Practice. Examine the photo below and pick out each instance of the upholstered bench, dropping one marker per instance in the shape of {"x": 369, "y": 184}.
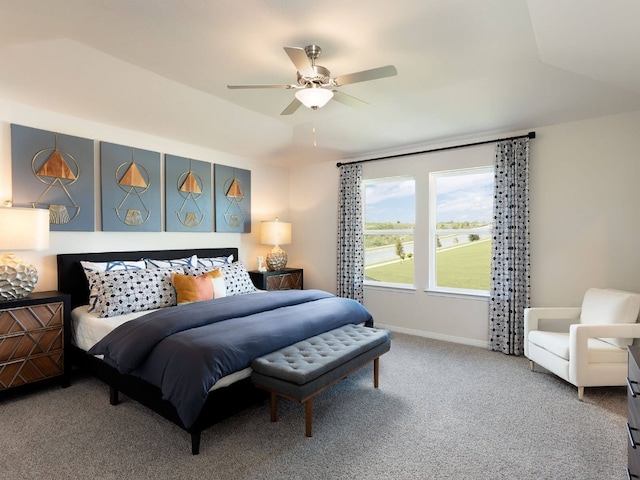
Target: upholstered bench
{"x": 300, "y": 371}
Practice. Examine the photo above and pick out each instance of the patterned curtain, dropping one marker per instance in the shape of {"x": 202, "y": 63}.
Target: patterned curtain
{"x": 350, "y": 234}
{"x": 510, "y": 285}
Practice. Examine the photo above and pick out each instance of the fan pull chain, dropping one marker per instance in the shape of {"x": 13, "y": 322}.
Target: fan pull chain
{"x": 313, "y": 130}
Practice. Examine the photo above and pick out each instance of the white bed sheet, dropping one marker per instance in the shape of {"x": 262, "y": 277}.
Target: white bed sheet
{"x": 88, "y": 328}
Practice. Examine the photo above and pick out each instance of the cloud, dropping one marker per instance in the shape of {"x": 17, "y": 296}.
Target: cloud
{"x": 381, "y": 192}
{"x": 465, "y": 197}
{"x": 391, "y": 201}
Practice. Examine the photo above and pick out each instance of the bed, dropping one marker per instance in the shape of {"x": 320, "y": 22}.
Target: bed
{"x": 215, "y": 339}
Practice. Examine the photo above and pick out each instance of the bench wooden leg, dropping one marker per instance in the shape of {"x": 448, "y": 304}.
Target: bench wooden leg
{"x": 274, "y": 407}
{"x": 308, "y": 416}
{"x": 376, "y": 371}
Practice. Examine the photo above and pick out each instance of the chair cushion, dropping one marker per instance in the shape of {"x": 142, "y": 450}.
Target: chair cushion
{"x": 601, "y": 306}
{"x": 558, "y": 344}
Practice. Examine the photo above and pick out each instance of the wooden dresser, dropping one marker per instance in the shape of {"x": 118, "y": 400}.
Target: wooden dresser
{"x": 33, "y": 339}
{"x": 287, "y": 279}
{"x": 633, "y": 414}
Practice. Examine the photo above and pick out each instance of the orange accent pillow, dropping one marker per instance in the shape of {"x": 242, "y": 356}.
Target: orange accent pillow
{"x": 207, "y": 286}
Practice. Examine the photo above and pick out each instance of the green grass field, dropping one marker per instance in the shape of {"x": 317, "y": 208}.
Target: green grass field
{"x": 466, "y": 266}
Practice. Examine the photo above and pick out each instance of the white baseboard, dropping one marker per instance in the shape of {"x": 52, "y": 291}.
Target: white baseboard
{"x": 435, "y": 336}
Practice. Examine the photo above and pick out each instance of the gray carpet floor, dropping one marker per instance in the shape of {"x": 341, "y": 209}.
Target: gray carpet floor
{"x": 442, "y": 411}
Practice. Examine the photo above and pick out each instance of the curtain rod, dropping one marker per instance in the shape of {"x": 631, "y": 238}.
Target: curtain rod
{"x": 452, "y": 147}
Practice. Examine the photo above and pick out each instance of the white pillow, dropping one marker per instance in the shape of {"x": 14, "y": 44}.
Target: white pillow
{"x": 127, "y": 291}
{"x": 601, "y": 306}
{"x": 191, "y": 261}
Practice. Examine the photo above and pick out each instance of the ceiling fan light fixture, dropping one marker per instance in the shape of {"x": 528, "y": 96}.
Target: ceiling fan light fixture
{"x": 315, "y": 97}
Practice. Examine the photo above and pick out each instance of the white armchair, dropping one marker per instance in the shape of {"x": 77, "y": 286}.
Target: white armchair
{"x": 586, "y": 346}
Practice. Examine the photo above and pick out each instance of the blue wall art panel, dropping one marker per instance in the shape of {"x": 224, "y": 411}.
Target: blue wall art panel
{"x": 232, "y": 199}
{"x": 54, "y": 171}
{"x": 188, "y": 195}
{"x": 131, "y": 190}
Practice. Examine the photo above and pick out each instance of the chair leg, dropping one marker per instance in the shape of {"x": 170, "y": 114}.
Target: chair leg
{"x": 580, "y": 393}
{"x": 532, "y": 366}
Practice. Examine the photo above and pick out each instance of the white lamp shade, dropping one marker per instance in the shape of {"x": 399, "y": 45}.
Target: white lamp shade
{"x": 24, "y": 229}
{"x": 314, "y": 97}
{"x": 275, "y": 233}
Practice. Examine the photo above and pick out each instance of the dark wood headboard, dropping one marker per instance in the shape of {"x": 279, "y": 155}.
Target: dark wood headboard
{"x": 72, "y": 280}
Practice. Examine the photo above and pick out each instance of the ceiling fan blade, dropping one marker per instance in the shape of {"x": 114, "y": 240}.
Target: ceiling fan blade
{"x": 349, "y": 100}
{"x": 292, "y": 107}
{"x": 366, "y": 75}
{"x": 259, "y": 86}
{"x": 300, "y": 60}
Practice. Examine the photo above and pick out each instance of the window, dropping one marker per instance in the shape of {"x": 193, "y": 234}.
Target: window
{"x": 461, "y": 218}
{"x": 389, "y": 221}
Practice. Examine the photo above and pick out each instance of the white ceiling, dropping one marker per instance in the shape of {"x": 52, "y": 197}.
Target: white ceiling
{"x": 466, "y": 68}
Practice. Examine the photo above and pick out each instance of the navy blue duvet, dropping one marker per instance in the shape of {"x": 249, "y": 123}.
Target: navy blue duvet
{"x": 185, "y": 350}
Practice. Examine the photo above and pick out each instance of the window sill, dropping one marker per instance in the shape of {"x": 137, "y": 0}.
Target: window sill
{"x": 403, "y": 288}
{"x": 481, "y": 296}
{"x": 399, "y": 287}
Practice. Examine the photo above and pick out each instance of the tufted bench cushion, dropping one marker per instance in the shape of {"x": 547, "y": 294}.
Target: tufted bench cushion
{"x": 302, "y": 362}
{"x": 304, "y": 369}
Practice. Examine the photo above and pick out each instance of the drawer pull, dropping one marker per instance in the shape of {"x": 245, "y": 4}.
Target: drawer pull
{"x": 630, "y": 475}
{"x": 630, "y": 431}
{"x": 630, "y": 384}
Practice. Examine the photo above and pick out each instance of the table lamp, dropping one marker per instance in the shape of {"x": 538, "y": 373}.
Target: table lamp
{"x": 276, "y": 233}
{"x": 20, "y": 229}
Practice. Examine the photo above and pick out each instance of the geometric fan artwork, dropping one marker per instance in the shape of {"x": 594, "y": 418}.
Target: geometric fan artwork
{"x": 188, "y": 196}
{"x": 54, "y": 171}
{"x": 131, "y": 191}
{"x": 232, "y": 199}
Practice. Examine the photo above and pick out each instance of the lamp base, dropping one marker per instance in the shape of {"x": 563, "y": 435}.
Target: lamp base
{"x": 276, "y": 259}
{"x": 17, "y": 279}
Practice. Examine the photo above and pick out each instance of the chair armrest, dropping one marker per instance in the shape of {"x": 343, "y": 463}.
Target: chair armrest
{"x": 579, "y": 335}
{"x": 554, "y": 319}
{"x": 611, "y": 330}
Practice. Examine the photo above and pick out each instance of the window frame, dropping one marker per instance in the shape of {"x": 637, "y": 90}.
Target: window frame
{"x": 434, "y": 232}
{"x": 380, "y": 180}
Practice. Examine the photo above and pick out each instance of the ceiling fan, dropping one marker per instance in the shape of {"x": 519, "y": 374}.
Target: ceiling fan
{"x": 315, "y": 86}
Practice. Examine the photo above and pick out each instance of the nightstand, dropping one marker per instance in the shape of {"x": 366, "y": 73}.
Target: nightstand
{"x": 33, "y": 339}
{"x": 287, "y": 279}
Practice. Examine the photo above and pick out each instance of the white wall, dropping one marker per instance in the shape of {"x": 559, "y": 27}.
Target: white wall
{"x": 313, "y": 205}
{"x": 584, "y": 227}
{"x": 269, "y": 190}
{"x": 585, "y": 194}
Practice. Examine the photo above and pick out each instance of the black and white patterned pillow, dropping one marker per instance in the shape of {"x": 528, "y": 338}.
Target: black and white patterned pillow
{"x": 126, "y": 291}
{"x": 205, "y": 265}
{"x": 113, "y": 265}
{"x": 214, "y": 262}
{"x": 236, "y": 279}
{"x": 97, "y": 267}
{"x": 191, "y": 261}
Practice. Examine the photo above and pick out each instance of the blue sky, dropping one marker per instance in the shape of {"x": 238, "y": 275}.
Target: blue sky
{"x": 466, "y": 197}
{"x": 392, "y": 201}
